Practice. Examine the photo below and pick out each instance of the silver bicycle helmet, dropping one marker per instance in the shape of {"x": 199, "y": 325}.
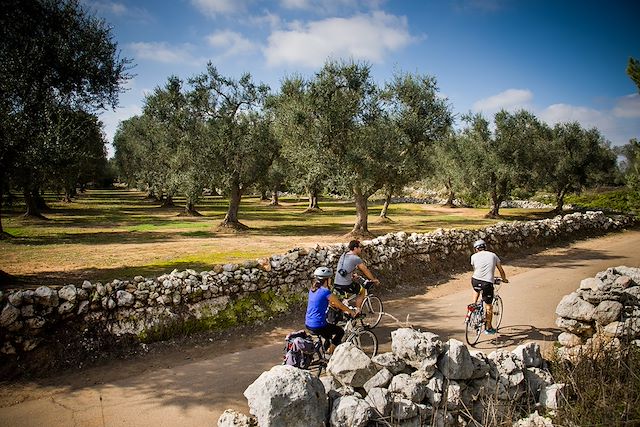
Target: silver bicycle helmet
{"x": 323, "y": 272}
{"x": 479, "y": 244}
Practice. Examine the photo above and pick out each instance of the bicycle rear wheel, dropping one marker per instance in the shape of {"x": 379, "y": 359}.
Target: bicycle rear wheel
{"x": 497, "y": 312}
{"x": 366, "y": 341}
{"x": 372, "y": 309}
{"x": 473, "y": 328}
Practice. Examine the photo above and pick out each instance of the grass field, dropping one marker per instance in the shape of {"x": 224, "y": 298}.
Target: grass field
{"x": 107, "y": 234}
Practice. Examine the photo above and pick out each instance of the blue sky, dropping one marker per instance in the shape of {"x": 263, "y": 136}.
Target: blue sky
{"x": 562, "y": 60}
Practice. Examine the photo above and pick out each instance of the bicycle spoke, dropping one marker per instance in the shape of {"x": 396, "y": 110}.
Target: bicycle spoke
{"x": 473, "y": 328}
{"x": 366, "y": 341}
{"x": 372, "y": 309}
{"x": 497, "y": 311}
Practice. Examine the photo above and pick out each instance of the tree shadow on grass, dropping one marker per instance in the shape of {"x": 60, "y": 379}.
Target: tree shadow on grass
{"x": 106, "y": 238}
{"x": 77, "y": 276}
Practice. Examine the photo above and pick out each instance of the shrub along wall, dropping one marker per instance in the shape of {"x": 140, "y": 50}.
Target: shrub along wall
{"x": 92, "y": 315}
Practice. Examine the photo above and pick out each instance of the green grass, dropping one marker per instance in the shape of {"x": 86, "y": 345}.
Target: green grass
{"x": 106, "y": 234}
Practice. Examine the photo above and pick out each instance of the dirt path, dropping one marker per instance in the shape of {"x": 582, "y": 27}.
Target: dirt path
{"x": 192, "y": 386}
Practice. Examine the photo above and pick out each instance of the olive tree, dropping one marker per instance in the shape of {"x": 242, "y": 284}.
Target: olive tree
{"x": 421, "y": 119}
{"x": 239, "y": 133}
{"x": 296, "y": 128}
{"x": 53, "y": 55}
{"x": 571, "y": 157}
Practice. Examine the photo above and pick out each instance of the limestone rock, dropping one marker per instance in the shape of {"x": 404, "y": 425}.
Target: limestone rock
{"x": 287, "y": 396}
{"x": 455, "y": 362}
{"x": 350, "y": 411}
{"x": 573, "y": 307}
{"x": 231, "y": 418}
{"x": 418, "y": 349}
{"x": 350, "y": 365}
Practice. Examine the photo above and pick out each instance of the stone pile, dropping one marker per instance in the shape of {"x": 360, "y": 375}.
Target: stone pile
{"x": 602, "y": 311}
{"x": 422, "y": 381}
{"x": 253, "y": 290}
{"x": 529, "y": 204}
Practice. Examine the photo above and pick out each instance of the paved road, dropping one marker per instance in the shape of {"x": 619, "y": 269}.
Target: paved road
{"x": 194, "y": 391}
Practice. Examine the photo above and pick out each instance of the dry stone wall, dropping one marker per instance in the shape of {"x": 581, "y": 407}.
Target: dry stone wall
{"x": 423, "y": 381}
{"x": 148, "y": 308}
{"x": 602, "y": 311}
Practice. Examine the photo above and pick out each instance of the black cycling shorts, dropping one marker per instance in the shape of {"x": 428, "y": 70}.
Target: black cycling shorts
{"x": 485, "y": 287}
{"x": 353, "y": 288}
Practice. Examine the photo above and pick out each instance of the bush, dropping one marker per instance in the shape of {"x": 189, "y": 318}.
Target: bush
{"x": 621, "y": 200}
{"x": 601, "y": 390}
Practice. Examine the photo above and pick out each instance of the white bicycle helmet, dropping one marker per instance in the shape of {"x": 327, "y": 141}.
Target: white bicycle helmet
{"x": 479, "y": 244}
{"x": 323, "y": 272}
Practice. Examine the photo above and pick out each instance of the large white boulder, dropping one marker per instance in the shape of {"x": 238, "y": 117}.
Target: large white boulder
{"x": 418, "y": 349}
{"x": 350, "y": 365}
{"x": 455, "y": 363}
{"x": 573, "y": 307}
{"x": 350, "y": 411}
{"x": 287, "y": 396}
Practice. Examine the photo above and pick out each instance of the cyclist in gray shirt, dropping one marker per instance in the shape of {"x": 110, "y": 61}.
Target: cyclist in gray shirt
{"x": 348, "y": 264}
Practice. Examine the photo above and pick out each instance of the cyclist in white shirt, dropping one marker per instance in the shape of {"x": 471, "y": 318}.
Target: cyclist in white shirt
{"x": 484, "y": 263}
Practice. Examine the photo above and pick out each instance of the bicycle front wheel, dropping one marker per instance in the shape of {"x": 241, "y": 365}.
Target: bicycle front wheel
{"x": 372, "y": 309}
{"x": 473, "y": 328}
{"x": 366, "y": 341}
{"x": 497, "y": 312}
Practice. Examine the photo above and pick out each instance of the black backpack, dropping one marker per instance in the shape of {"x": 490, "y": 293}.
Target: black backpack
{"x": 298, "y": 349}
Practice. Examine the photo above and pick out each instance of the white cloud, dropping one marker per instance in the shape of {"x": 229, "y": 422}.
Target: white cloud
{"x": 587, "y": 117}
{"x": 510, "y": 99}
{"x": 219, "y": 7}
{"x": 617, "y": 125}
{"x": 231, "y": 42}
{"x": 330, "y": 7}
{"x": 297, "y": 4}
{"x": 272, "y": 20}
{"x": 163, "y": 52}
{"x": 366, "y": 37}
{"x": 628, "y": 106}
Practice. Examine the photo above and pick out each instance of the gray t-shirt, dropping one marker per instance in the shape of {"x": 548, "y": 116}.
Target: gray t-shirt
{"x": 484, "y": 265}
{"x": 347, "y": 263}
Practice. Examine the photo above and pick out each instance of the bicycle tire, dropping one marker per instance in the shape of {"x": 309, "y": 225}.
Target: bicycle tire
{"x": 473, "y": 328}
{"x": 366, "y": 341}
{"x": 497, "y": 312}
{"x": 372, "y": 309}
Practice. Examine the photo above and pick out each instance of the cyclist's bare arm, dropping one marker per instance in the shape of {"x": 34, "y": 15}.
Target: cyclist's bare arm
{"x": 367, "y": 273}
{"x": 502, "y": 273}
{"x": 335, "y": 302}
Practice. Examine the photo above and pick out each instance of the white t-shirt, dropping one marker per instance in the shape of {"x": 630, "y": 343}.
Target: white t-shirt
{"x": 484, "y": 265}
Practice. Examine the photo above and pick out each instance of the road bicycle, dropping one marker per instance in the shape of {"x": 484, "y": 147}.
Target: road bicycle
{"x": 476, "y": 316}
{"x": 372, "y": 307}
{"x": 355, "y": 331}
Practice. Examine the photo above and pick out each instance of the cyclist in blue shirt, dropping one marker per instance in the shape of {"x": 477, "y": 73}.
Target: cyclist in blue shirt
{"x": 320, "y": 297}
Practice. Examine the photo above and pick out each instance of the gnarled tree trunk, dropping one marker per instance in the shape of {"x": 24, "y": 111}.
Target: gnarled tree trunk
{"x": 361, "y": 227}
{"x": 231, "y": 218}
{"x": 313, "y": 206}
{"x": 31, "y": 203}
{"x": 385, "y": 206}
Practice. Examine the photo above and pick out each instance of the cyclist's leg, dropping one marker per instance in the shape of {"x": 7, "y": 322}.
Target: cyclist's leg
{"x": 477, "y": 288}
{"x": 325, "y": 333}
{"x": 487, "y": 298}
{"x": 360, "y": 298}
